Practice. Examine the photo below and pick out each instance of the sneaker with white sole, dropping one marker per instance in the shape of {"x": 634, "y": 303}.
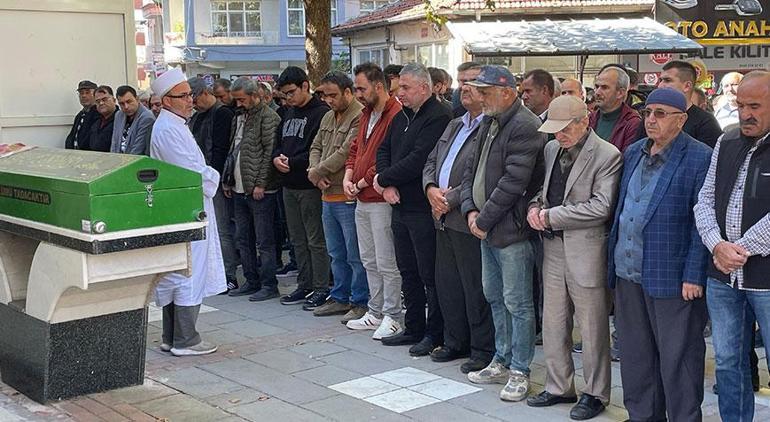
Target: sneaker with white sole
{"x": 494, "y": 373}
{"x": 165, "y": 347}
{"x": 389, "y": 327}
{"x": 201, "y": 348}
{"x": 366, "y": 322}
{"x": 517, "y": 387}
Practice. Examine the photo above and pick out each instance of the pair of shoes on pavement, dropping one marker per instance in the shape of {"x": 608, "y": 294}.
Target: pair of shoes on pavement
{"x": 331, "y": 307}
{"x": 516, "y": 382}
{"x": 384, "y": 328}
{"x": 309, "y": 299}
{"x": 202, "y": 348}
{"x": 447, "y": 354}
{"x": 255, "y": 292}
{"x": 586, "y": 408}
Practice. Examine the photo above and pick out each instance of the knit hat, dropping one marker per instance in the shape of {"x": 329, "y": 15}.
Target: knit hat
{"x": 669, "y": 97}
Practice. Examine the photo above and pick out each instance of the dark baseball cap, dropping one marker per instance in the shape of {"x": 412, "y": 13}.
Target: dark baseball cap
{"x": 198, "y": 85}
{"x": 86, "y": 85}
{"x": 494, "y": 75}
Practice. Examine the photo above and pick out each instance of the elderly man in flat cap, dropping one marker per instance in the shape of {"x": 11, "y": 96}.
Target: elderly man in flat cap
{"x": 182, "y": 296}
{"x": 657, "y": 266}
{"x": 572, "y": 211}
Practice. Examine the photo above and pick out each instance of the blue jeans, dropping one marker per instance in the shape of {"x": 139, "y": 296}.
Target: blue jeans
{"x": 506, "y": 276}
{"x": 254, "y": 232}
{"x": 732, "y": 314}
{"x": 350, "y": 284}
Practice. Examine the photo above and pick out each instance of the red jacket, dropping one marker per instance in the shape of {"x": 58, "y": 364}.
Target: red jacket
{"x": 626, "y": 130}
{"x": 363, "y": 152}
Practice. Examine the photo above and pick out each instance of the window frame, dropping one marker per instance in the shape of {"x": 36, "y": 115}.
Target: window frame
{"x": 228, "y": 33}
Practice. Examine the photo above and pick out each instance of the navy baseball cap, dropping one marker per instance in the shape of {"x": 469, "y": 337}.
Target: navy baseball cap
{"x": 494, "y": 75}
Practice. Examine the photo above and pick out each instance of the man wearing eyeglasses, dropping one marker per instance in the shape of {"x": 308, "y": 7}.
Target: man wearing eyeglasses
{"x": 100, "y": 138}
{"x": 179, "y": 295}
{"x": 657, "y": 266}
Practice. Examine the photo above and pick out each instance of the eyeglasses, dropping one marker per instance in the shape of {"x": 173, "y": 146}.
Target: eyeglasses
{"x": 658, "y": 113}
{"x": 181, "y": 96}
{"x": 290, "y": 93}
{"x": 102, "y": 100}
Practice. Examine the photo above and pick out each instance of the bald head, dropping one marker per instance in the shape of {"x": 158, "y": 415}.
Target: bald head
{"x": 573, "y": 87}
{"x": 753, "y": 100}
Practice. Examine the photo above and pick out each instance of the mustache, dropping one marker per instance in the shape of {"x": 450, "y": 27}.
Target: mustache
{"x": 749, "y": 121}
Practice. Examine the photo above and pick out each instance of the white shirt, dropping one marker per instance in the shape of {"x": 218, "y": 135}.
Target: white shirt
{"x": 726, "y": 115}
{"x": 172, "y": 142}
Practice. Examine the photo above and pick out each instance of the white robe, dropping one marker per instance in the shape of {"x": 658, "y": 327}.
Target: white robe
{"x": 173, "y": 143}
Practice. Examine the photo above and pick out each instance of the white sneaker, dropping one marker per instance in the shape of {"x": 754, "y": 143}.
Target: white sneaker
{"x": 494, "y": 373}
{"x": 389, "y": 327}
{"x": 201, "y": 348}
{"x": 366, "y": 322}
{"x": 517, "y": 387}
{"x": 165, "y": 347}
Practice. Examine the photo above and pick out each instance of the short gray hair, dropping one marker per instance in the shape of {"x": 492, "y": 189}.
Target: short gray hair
{"x": 248, "y": 86}
{"x": 623, "y": 80}
{"x": 417, "y": 71}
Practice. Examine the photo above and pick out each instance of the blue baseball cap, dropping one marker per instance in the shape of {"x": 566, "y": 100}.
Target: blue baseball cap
{"x": 494, "y": 75}
{"x": 669, "y": 97}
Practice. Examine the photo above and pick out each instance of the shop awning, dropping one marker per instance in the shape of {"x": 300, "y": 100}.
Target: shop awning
{"x": 570, "y": 38}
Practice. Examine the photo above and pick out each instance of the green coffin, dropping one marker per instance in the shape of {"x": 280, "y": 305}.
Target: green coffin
{"x": 95, "y": 192}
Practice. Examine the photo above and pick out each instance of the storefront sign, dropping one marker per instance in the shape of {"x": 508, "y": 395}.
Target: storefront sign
{"x": 721, "y": 22}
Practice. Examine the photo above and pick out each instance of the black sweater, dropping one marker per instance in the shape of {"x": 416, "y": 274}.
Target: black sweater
{"x": 402, "y": 155}
{"x": 296, "y": 132}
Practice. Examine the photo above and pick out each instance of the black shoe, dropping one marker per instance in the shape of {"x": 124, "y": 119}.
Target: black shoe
{"x": 295, "y": 297}
{"x": 446, "y": 354}
{"x": 473, "y": 365}
{"x": 247, "y": 289}
{"x": 588, "y": 407}
{"x": 315, "y": 300}
{"x": 263, "y": 294}
{"x": 401, "y": 340}
{"x": 578, "y": 348}
{"x": 232, "y": 284}
{"x": 288, "y": 270}
{"x": 546, "y": 399}
{"x": 423, "y": 348}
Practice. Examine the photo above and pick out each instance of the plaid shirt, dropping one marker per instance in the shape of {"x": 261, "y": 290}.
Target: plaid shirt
{"x": 756, "y": 240}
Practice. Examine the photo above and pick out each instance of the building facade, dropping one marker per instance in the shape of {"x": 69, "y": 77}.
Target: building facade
{"x": 228, "y": 39}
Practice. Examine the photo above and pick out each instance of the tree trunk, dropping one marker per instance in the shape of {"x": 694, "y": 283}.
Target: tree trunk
{"x": 318, "y": 39}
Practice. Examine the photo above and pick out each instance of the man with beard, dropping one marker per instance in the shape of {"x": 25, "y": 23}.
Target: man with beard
{"x": 81, "y": 127}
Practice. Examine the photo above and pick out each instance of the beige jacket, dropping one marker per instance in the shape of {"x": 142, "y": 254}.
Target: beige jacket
{"x": 331, "y": 145}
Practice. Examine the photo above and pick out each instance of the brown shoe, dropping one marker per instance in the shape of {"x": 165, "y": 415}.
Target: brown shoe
{"x": 356, "y": 312}
{"x": 331, "y": 307}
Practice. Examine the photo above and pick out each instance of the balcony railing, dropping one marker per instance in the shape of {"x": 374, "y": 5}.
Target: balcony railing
{"x": 238, "y": 38}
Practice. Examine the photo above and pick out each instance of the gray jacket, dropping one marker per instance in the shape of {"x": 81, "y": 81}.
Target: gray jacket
{"x": 454, "y": 219}
{"x": 515, "y": 172}
{"x": 138, "y": 139}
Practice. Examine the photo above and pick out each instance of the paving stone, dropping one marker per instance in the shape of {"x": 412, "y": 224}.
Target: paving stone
{"x": 252, "y": 329}
{"x": 295, "y": 322}
{"x": 401, "y": 400}
{"x": 224, "y": 337}
{"x": 275, "y": 410}
{"x": 234, "y": 398}
{"x": 284, "y": 361}
{"x": 362, "y": 341}
{"x": 342, "y": 408}
{"x": 285, "y": 387}
{"x": 447, "y": 412}
{"x": 484, "y": 402}
{"x": 364, "y": 387}
{"x": 316, "y": 348}
{"x": 444, "y": 389}
{"x": 258, "y": 310}
{"x": 150, "y": 390}
{"x": 218, "y": 318}
{"x": 182, "y": 408}
{"x": 196, "y": 382}
{"x": 360, "y": 362}
{"x": 327, "y": 375}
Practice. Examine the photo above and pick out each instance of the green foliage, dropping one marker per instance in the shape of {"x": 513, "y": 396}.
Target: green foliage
{"x": 433, "y": 17}
{"x": 341, "y": 62}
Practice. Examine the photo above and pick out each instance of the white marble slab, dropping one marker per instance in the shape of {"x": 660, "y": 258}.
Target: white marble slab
{"x": 406, "y": 377}
{"x": 444, "y": 389}
{"x": 362, "y": 388}
{"x": 401, "y": 400}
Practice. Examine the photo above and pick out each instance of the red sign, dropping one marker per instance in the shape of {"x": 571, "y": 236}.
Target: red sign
{"x": 661, "y": 58}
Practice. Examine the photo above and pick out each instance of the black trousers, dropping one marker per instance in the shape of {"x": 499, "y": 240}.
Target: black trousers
{"x": 663, "y": 355}
{"x": 467, "y": 317}
{"x": 179, "y": 325}
{"x": 414, "y": 239}
{"x": 537, "y": 281}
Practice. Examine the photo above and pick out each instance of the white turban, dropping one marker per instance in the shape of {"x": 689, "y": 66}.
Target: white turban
{"x": 167, "y": 81}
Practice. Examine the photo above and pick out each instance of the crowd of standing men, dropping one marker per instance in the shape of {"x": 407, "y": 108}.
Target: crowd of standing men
{"x": 511, "y": 213}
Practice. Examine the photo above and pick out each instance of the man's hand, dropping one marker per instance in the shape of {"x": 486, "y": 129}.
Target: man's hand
{"x": 377, "y": 186}
{"x": 438, "y": 201}
{"x": 544, "y": 219}
{"x": 728, "y": 256}
{"x": 472, "y": 216}
{"x": 391, "y": 195}
{"x": 350, "y": 189}
{"x": 226, "y": 191}
{"x": 533, "y": 218}
{"x": 258, "y": 193}
{"x": 691, "y": 291}
{"x": 323, "y": 183}
{"x": 313, "y": 176}
{"x": 281, "y": 163}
